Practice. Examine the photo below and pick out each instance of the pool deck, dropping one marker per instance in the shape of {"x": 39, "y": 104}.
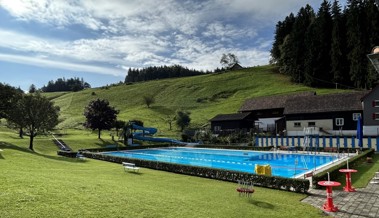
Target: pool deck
{"x": 364, "y": 203}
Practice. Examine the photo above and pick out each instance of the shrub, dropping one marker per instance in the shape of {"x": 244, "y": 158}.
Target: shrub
{"x": 296, "y": 185}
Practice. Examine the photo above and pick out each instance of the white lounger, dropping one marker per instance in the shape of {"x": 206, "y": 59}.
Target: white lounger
{"x": 130, "y": 166}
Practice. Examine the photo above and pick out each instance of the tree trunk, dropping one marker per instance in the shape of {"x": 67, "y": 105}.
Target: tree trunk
{"x": 99, "y": 134}
{"x": 21, "y": 133}
{"x": 31, "y": 141}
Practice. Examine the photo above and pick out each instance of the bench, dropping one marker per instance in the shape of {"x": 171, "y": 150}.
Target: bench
{"x": 284, "y": 148}
{"x": 130, "y": 166}
{"x": 80, "y": 156}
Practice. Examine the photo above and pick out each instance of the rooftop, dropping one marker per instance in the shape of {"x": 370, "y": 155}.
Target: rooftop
{"x": 271, "y": 102}
{"x": 226, "y": 117}
{"x": 325, "y": 103}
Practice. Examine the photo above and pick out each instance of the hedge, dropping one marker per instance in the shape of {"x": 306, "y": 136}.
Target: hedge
{"x": 296, "y": 185}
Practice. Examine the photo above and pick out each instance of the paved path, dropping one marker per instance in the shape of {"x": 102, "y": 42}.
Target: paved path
{"x": 362, "y": 203}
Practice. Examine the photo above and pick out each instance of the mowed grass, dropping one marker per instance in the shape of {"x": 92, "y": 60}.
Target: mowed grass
{"x": 366, "y": 172}
{"x": 42, "y": 184}
{"x": 204, "y": 96}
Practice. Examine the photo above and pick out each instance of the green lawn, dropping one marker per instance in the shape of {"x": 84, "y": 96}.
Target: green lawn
{"x": 204, "y": 96}
{"x": 365, "y": 172}
{"x": 42, "y": 184}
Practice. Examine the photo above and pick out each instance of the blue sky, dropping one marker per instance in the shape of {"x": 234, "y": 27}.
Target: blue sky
{"x": 99, "y": 40}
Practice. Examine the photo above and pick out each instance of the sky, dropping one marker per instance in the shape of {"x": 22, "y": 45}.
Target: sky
{"x": 99, "y": 40}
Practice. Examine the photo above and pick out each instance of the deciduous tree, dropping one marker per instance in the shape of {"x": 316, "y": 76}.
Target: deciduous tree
{"x": 100, "y": 115}
{"x": 183, "y": 119}
{"x": 148, "y": 99}
{"x": 8, "y": 95}
{"x": 36, "y": 114}
{"x": 228, "y": 60}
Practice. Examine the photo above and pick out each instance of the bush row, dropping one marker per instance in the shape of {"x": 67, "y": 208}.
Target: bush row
{"x": 296, "y": 185}
{"x": 334, "y": 171}
{"x": 71, "y": 154}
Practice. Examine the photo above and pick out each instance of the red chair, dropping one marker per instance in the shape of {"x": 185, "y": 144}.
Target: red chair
{"x": 245, "y": 188}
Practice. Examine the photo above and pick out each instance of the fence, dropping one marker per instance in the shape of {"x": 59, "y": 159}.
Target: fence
{"x": 317, "y": 141}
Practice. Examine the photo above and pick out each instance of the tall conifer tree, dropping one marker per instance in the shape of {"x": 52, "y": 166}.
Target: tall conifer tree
{"x": 294, "y": 47}
{"x": 357, "y": 43}
{"x": 338, "y": 54}
{"x": 283, "y": 29}
{"x": 317, "y": 68}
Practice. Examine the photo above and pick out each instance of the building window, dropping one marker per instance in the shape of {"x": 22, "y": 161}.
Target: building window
{"x": 217, "y": 128}
{"x": 375, "y": 103}
{"x": 311, "y": 124}
{"x": 297, "y": 124}
{"x": 375, "y": 116}
{"x": 339, "y": 121}
{"x": 356, "y": 116}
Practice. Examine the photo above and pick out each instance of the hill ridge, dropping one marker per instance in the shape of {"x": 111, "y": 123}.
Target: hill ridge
{"x": 204, "y": 96}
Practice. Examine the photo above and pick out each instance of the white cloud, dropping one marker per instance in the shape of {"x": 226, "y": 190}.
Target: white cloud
{"x": 261, "y": 12}
{"x": 41, "y": 62}
{"x": 137, "y": 33}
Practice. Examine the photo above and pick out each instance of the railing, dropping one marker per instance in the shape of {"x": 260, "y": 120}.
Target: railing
{"x": 317, "y": 141}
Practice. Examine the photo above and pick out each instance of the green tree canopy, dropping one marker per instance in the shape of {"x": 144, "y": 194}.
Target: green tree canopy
{"x": 148, "y": 100}
{"x": 36, "y": 114}
{"x": 119, "y": 124}
{"x": 100, "y": 115}
{"x": 228, "y": 60}
{"x": 183, "y": 119}
{"x": 8, "y": 95}
{"x": 329, "y": 47}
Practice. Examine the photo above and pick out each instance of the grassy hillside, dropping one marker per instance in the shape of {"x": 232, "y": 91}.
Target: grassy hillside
{"x": 204, "y": 96}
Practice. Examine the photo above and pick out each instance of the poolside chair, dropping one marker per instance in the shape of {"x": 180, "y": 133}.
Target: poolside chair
{"x": 80, "y": 156}
{"x": 245, "y": 188}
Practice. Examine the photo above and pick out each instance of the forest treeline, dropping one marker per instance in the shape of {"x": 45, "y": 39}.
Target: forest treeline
{"x": 329, "y": 47}
{"x": 160, "y": 72}
{"x": 63, "y": 85}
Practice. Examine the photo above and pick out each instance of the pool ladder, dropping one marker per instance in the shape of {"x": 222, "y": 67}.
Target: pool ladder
{"x": 304, "y": 162}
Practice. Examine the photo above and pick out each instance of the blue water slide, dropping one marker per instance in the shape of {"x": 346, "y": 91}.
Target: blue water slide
{"x": 146, "y": 133}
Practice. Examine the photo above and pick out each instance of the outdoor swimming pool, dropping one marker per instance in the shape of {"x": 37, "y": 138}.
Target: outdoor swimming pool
{"x": 283, "y": 164}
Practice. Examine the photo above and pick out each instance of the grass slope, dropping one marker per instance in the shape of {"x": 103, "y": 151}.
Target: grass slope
{"x": 42, "y": 184}
{"x": 204, "y": 96}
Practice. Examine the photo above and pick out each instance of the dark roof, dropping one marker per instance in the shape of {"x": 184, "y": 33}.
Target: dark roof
{"x": 370, "y": 92}
{"x": 325, "y": 103}
{"x": 270, "y": 102}
{"x": 227, "y": 117}
{"x": 236, "y": 66}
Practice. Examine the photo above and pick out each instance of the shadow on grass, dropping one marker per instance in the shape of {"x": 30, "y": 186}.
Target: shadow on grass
{"x": 135, "y": 173}
{"x": 261, "y": 204}
{"x": 14, "y": 147}
{"x": 27, "y": 150}
{"x": 1, "y": 156}
{"x": 162, "y": 110}
{"x": 105, "y": 143}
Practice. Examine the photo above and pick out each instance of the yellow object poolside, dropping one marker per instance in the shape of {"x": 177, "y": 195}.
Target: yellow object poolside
{"x": 263, "y": 169}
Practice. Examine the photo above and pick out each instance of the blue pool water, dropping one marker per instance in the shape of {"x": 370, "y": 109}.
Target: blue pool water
{"x": 283, "y": 164}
